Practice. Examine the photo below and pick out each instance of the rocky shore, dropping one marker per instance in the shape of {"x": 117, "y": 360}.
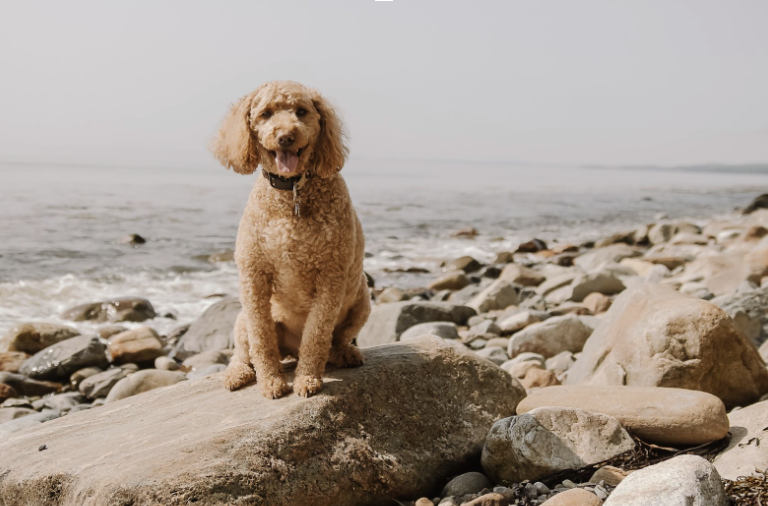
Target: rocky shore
{"x": 626, "y": 371}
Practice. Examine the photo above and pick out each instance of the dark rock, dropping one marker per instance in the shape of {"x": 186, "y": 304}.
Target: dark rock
{"x": 760, "y": 202}
{"x": 27, "y": 386}
{"x": 214, "y": 330}
{"x": 465, "y": 263}
{"x": 126, "y": 309}
{"x": 61, "y": 360}
{"x": 532, "y": 246}
{"x": 132, "y": 239}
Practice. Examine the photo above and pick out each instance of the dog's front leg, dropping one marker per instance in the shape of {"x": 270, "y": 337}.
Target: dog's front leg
{"x": 255, "y": 295}
{"x": 317, "y": 336}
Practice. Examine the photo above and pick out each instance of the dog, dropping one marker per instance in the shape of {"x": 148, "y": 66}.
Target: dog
{"x": 300, "y": 245}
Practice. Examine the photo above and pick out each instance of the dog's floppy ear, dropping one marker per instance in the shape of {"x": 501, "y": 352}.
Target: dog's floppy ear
{"x": 234, "y": 145}
{"x": 330, "y": 150}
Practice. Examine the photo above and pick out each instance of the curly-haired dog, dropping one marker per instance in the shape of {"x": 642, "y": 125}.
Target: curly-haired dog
{"x": 300, "y": 245}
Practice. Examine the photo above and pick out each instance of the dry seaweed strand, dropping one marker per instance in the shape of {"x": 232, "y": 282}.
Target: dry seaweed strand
{"x": 748, "y": 490}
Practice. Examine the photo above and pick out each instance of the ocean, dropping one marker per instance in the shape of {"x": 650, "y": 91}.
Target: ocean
{"x": 61, "y": 225}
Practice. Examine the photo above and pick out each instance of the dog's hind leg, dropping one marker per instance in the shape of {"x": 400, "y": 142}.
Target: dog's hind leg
{"x": 343, "y": 352}
{"x": 239, "y": 372}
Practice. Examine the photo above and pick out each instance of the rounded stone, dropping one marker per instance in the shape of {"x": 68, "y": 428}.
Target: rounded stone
{"x": 467, "y": 483}
{"x": 671, "y": 416}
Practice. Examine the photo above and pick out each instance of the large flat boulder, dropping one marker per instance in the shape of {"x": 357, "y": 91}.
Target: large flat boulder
{"x": 213, "y": 330}
{"x": 656, "y": 336}
{"x": 388, "y": 321}
{"x": 747, "y": 451}
{"x": 393, "y": 428}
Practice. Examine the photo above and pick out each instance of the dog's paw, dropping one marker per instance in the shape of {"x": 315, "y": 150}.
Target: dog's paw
{"x": 273, "y": 387}
{"x": 347, "y": 356}
{"x": 307, "y": 386}
{"x": 238, "y": 375}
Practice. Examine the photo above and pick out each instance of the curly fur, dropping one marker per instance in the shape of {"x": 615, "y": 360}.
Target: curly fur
{"x": 301, "y": 278}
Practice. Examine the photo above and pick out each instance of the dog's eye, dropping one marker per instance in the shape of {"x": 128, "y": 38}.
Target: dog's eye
{"x": 301, "y": 112}
{"x": 266, "y": 114}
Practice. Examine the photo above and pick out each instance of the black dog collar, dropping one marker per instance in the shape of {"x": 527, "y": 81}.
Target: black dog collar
{"x": 285, "y": 183}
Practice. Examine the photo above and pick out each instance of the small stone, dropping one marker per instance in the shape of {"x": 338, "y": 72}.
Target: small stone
{"x": 520, "y": 320}
{"x": 539, "y": 378}
{"x": 495, "y": 354}
{"x": 532, "y": 246}
{"x": 137, "y": 345}
{"x": 33, "y": 337}
{"x": 610, "y": 475}
{"x": 553, "y": 336}
{"x": 597, "y": 302}
{"x": 42, "y": 447}
{"x": 132, "y": 239}
{"x": 166, "y": 364}
{"x": 498, "y": 295}
{"x": 466, "y": 232}
{"x": 573, "y": 497}
{"x": 10, "y": 361}
{"x": 466, "y": 264}
{"x": 467, "y": 483}
{"x": 491, "y": 499}
{"x": 391, "y": 294}
{"x": 7, "y": 392}
{"x": 521, "y": 275}
{"x": 452, "y": 281}
{"x": 446, "y": 330}
{"x": 81, "y": 374}
{"x": 504, "y": 257}
{"x": 601, "y": 282}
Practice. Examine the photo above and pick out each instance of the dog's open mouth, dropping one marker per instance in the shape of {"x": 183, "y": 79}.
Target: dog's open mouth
{"x": 286, "y": 160}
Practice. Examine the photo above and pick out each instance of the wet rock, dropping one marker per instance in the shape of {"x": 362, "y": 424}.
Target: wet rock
{"x": 61, "y": 360}
{"x": 655, "y": 336}
{"x": 532, "y": 246}
{"x": 573, "y": 497}
{"x": 126, "y": 309}
{"x": 520, "y": 275}
{"x": 322, "y": 451}
{"x": 391, "y": 294}
{"x": 687, "y": 480}
{"x": 520, "y": 320}
{"x": 551, "y": 439}
{"x": 601, "y": 282}
{"x": 504, "y": 257}
{"x": 33, "y": 337}
{"x": 10, "y": 361}
{"x": 467, "y": 483}
{"x": 452, "y": 281}
{"x": 207, "y": 358}
{"x": 597, "y": 258}
{"x": 550, "y": 337}
{"x": 466, "y": 264}
{"x": 100, "y": 384}
{"x": 760, "y": 202}
{"x": 141, "y": 344}
{"x": 667, "y": 416}
{"x": 466, "y": 232}
{"x": 214, "y": 330}
{"x": 498, "y": 295}
{"x": 132, "y": 239}
{"x": 27, "y": 386}
{"x": 108, "y": 331}
{"x": 747, "y": 450}
{"x": 388, "y": 322}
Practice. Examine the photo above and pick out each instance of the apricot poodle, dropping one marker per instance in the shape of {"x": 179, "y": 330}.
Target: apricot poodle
{"x": 300, "y": 245}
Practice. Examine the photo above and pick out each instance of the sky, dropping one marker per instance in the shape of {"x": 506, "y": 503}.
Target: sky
{"x": 539, "y": 81}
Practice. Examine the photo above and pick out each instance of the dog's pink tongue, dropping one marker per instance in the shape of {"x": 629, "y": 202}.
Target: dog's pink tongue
{"x": 286, "y": 161}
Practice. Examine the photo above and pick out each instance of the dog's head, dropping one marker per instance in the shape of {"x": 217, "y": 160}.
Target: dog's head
{"x": 286, "y": 128}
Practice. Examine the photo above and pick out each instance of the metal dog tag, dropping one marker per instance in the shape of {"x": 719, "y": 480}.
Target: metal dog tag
{"x": 296, "y": 202}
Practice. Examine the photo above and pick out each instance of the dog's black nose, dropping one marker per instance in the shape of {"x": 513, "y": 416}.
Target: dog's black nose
{"x": 285, "y": 139}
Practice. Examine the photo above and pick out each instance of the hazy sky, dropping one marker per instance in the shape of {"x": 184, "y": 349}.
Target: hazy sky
{"x": 565, "y": 81}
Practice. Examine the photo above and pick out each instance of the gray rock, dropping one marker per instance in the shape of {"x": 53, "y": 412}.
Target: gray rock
{"x": 208, "y": 370}
{"x": 388, "y": 321}
{"x": 214, "y": 330}
{"x": 467, "y": 483}
{"x": 553, "y": 336}
{"x": 62, "y": 402}
{"x": 143, "y": 381}
{"x": 27, "y": 386}
{"x": 601, "y": 282}
{"x": 561, "y": 362}
{"x": 8, "y": 414}
{"x": 661, "y": 233}
{"x": 597, "y": 258}
{"x": 517, "y": 321}
{"x": 468, "y": 293}
{"x": 498, "y": 295}
{"x": 748, "y": 311}
{"x": 8, "y": 428}
{"x": 495, "y": 354}
{"x": 446, "y": 330}
{"x": 100, "y": 384}
{"x": 209, "y": 445}
{"x": 62, "y": 359}
{"x": 126, "y": 309}
{"x": 687, "y": 480}
{"x": 551, "y": 439}
{"x": 33, "y": 337}
{"x": 485, "y": 327}
{"x": 555, "y": 282}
